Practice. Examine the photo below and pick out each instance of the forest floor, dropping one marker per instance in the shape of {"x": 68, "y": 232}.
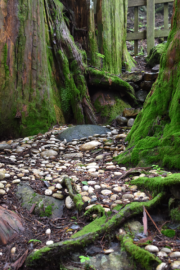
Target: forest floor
{"x": 98, "y": 178}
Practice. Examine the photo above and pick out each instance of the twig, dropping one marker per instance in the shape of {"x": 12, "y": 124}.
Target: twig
{"x": 133, "y": 169}
{"x": 164, "y": 223}
{"x": 153, "y": 221}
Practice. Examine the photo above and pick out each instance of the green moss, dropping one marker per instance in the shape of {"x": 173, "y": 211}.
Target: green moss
{"x": 110, "y": 112}
{"x": 142, "y": 257}
{"x": 47, "y": 212}
{"x": 157, "y": 184}
{"x": 133, "y": 209}
{"x": 95, "y": 209}
{"x": 6, "y": 68}
{"x": 175, "y": 214}
{"x": 169, "y": 233}
{"x": 155, "y": 54}
{"x": 155, "y": 136}
{"x": 78, "y": 202}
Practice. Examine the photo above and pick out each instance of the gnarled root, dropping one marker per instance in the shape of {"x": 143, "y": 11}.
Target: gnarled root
{"x": 89, "y": 233}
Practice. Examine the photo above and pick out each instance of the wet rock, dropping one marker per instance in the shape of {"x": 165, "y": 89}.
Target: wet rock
{"x": 28, "y": 197}
{"x": 81, "y": 131}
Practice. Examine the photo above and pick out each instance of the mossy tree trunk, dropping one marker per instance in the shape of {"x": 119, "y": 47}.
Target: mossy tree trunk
{"x": 111, "y": 19}
{"x": 41, "y": 69}
{"x": 155, "y": 136}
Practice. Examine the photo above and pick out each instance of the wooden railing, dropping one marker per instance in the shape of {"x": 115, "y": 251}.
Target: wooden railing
{"x": 150, "y": 33}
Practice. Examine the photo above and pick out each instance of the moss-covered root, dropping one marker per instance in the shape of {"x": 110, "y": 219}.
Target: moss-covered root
{"x": 159, "y": 183}
{"x": 77, "y": 199}
{"x": 89, "y": 233}
{"x": 105, "y": 80}
{"x": 95, "y": 209}
{"x": 142, "y": 257}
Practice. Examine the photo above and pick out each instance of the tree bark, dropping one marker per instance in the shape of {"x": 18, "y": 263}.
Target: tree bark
{"x": 42, "y": 68}
{"x": 154, "y": 137}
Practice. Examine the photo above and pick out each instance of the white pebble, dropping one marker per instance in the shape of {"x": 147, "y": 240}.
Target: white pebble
{"x": 161, "y": 266}
{"x": 50, "y": 242}
{"x": 48, "y": 192}
{"x": 151, "y": 248}
{"x": 48, "y": 231}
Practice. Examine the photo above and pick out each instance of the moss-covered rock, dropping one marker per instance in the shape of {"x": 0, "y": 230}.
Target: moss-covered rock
{"x": 155, "y": 54}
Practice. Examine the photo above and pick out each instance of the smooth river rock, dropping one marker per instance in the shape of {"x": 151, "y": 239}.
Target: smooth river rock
{"x": 81, "y": 131}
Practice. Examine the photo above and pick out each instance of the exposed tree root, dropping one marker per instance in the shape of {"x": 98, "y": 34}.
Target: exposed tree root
{"x": 89, "y": 233}
{"x": 159, "y": 183}
{"x": 77, "y": 198}
{"x": 143, "y": 257}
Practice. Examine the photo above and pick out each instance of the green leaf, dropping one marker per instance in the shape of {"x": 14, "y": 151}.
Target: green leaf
{"x": 34, "y": 241}
{"x": 84, "y": 183}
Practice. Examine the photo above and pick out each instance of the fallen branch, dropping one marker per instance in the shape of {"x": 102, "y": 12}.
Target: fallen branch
{"x": 89, "y": 233}
{"x": 134, "y": 170}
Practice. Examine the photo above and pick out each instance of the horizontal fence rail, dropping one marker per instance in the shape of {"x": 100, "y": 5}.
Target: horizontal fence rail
{"x": 150, "y": 33}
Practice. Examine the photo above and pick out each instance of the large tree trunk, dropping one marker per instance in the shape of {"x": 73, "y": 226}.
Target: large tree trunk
{"x": 42, "y": 71}
{"x": 155, "y": 136}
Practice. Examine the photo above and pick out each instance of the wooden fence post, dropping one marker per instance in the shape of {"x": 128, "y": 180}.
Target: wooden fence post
{"x": 136, "y": 28}
{"x": 150, "y": 24}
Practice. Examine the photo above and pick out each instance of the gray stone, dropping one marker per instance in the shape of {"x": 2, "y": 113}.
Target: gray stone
{"x": 5, "y": 146}
{"x": 130, "y": 122}
{"x": 81, "y": 131}
{"x": 135, "y": 226}
{"x": 132, "y": 77}
{"x": 73, "y": 155}
{"x": 121, "y": 120}
{"x": 49, "y": 153}
{"x": 141, "y": 95}
{"x": 156, "y": 68}
{"x": 29, "y": 197}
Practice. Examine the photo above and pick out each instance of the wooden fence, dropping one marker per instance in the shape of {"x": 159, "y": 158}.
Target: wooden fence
{"x": 150, "y": 33}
